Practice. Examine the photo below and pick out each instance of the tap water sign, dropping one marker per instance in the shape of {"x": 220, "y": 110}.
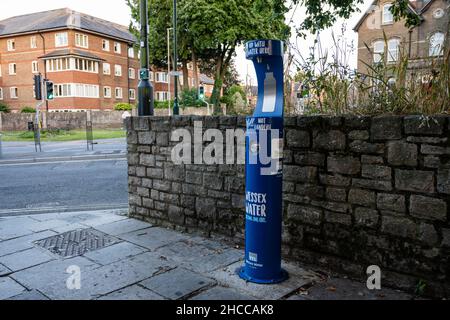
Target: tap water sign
{"x": 264, "y": 174}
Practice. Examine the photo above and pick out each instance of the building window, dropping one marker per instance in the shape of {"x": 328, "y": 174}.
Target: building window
{"x": 12, "y": 69}
{"x": 34, "y": 67}
{"x": 388, "y": 17}
{"x": 86, "y": 65}
{"x": 132, "y": 94}
{"x": 119, "y": 94}
{"x": 1, "y": 93}
{"x": 117, "y": 47}
{"x": 378, "y": 51}
{"x": 437, "y": 44}
{"x": 162, "y": 96}
{"x": 106, "y": 68}
{"x": 81, "y": 40}
{"x": 161, "y": 77}
{"x": 11, "y": 44}
{"x": 118, "y": 70}
{"x": 107, "y": 92}
{"x": 61, "y": 64}
{"x": 14, "y": 92}
{"x": 131, "y": 52}
{"x": 131, "y": 73}
{"x": 76, "y": 90}
{"x": 61, "y": 39}
{"x": 33, "y": 42}
{"x": 393, "y": 50}
{"x": 63, "y": 90}
{"x": 152, "y": 76}
{"x": 105, "y": 45}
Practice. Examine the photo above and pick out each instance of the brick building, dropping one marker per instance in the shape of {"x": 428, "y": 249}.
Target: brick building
{"x": 421, "y": 43}
{"x": 92, "y": 62}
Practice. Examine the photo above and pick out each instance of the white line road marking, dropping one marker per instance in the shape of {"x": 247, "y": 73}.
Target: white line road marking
{"x": 66, "y": 161}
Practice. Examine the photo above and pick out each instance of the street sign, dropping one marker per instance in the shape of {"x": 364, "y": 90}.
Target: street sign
{"x": 264, "y": 175}
{"x": 176, "y": 73}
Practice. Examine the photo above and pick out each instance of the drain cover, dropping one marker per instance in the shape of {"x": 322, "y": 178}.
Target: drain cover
{"x": 76, "y": 242}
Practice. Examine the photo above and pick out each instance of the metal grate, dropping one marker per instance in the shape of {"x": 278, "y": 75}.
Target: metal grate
{"x": 77, "y": 242}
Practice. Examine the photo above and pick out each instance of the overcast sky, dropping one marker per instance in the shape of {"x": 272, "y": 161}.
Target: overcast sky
{"x": 117, "y": 11}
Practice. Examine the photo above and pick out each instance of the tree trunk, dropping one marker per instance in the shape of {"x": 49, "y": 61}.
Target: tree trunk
{"x": 185, "y": 76}
{"x": 195, "y": 67}
{"x": 222, "y": 63}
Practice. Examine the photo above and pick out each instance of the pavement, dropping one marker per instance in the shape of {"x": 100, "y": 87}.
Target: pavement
{"x": 65, "y": 177}
{"x": 105, "y": 255}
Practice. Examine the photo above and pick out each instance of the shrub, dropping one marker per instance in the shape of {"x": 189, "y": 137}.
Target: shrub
{"x": 124, "y": 107}
{"x": 189, "y": 98}
{"x": 28, "y": 110}
{"x": 4, "y": 108}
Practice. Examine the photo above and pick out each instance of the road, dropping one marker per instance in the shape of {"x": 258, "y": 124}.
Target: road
{"x": 67, "y": 179}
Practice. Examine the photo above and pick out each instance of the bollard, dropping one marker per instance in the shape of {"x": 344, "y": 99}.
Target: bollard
{"x": 264, "y": 175}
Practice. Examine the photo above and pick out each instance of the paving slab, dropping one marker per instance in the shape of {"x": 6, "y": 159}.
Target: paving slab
{"x": 9, "y": 288}
{"x": 153, "y": 238}
{"x": 22, "y": 243}
{"x": 69, "y": 227}
{"x": 298, "y": 278}
{"x": 102, "y": 220}
{"x": 177, "y": 283}
{"x": 134, "y": 292}
{"x": 114, "y": 253}
{"x": 110, "y": 278}
{"x": 33, "y": 295}
{"x": 222, "y": 293}
{"x": 4, "y": 270}
{"x": 52, "y": 272}
{"x": 16, "y": 227}
{"x": 345, "y": 289}
{"x": 123, "y": 226}
{"x": 25, "y": 259}
{"x": 218, "y": 260}
{"x": 47, "y": 225}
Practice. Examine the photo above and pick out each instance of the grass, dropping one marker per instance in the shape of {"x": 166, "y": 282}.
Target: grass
{"x": 62, "y": 135}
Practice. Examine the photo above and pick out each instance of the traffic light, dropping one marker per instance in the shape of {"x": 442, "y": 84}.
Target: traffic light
{"x": 49, "y": 90}
{"x": 38, "y": 87}
{"x": 201, "y": 93}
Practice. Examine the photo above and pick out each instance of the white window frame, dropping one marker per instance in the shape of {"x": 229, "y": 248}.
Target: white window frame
{"x": 78, "y": 90}
{"x": 61, "y": 39}
{"x": 163, "y": 94}
{"x": 434, "y": 47}
{"x": 131, "y": 73}
{"x": 34, "y": 67}
{"x": 14, "y": 93}
{"x": 106, "y": 68}
{"x": 11, "y": 45}
{"x": 1, "y": 93}
{"x": 105, "y": 90}
{"x": 378, "y": 51}
{"x": 118, "y": 70}
{"x": 118, "y": 93}
{"x": 33, "y": 42}
{"x": 106, "y": 45}
{"x": 393, "y": 55}
{"x": 81, "y": 40}
{"x": 117, "y": 47}
{"x": 12, "y": 68}
{"x": 163, "y": 75}
{"x": 131, "y": 52}
{"x": 132, "y": 94}
{"x": 152, "y": 76}
{"x": 63, "y": 90}
{"x": 386, "y": 13}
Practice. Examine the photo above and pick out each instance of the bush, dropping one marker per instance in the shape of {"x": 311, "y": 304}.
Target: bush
{"x": 189, "y": 98}
{"x": 28, "y": 110}
{"x": 4, "y": 108}
{"x": 124, "y": 107}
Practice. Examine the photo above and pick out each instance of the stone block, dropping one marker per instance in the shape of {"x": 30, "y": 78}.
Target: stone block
{"x": 428, "y": 208}
{"x": 175, "y": 215}
{"x": 432, "y": 162}
{"x": 212, "y": 181}
{"x": 366, "y": 217}
{"x": 443, "y": 181}
{"x": 140, "y": 123}
{"x": 298, "y": 139}
{"x": 329, "y": 140}
{"x": 155, "y": 173}
{"x": 399, "y": 227}
{"x": 359, "y": 146}
{"x": 428, "y": 234}
{"x": 359, "y": 135}
{"x": 402, "y": 154}
{"x": 146, "y": 137}
{"x": 334, "y": 180}
{"x": 304, "y": 214}
{"x": 205, "y": 207}
{"x": 393, "y": 202}
{"x": 376, "y": 172}
{"x": 174, "y": 173}
{"x": 309, "y": 159}
{"x": 446, "y": 238}
{"x": 361, "y": 197}
{"x": 367, "y": 159}
{"x": 424, "y": 125}
{"x": 435, "y": 150}
{"x": 386, "y": 128}
{"x": 344, "y": 164}
{"x": 340, "y": 218}
{"x": 415, "y": 180}
{"x": 336, "y": 194}
{"x": 382, "y": 185}
{"x": 300, "y": 174}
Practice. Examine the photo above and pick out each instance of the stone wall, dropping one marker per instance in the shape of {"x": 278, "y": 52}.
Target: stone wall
{"x": 358, "y": 191}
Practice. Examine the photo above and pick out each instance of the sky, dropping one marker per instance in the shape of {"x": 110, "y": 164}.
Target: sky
{"x": 117, "y": 11}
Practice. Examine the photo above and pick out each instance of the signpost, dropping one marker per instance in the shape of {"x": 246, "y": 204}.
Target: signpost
{"x": 264, "y": 152}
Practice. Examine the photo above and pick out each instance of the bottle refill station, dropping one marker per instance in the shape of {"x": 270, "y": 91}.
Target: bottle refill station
{"x": 264, "y": 152}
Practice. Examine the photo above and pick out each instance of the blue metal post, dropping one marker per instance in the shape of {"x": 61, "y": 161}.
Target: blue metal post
{"x": 264, "y": 175}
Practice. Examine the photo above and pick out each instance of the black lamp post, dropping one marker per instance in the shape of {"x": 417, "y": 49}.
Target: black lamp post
{"x": 176, "y": 109}
{"x": 145, "y": 88}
